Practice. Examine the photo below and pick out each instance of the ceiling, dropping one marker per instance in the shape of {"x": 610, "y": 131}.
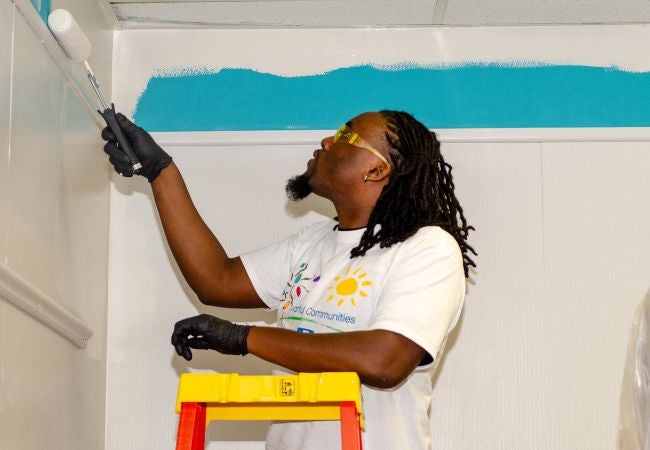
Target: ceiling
{"x": 368, "y": 13}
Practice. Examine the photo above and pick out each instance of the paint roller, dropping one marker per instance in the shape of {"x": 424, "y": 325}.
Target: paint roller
{"x": 77, "y": 47}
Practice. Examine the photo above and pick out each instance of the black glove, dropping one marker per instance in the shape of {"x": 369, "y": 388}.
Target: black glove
{"x": 209, "y": 332}
{"x": 152, "y": 157}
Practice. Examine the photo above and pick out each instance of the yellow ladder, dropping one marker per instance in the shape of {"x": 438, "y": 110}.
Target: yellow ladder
{"x": 203, "y": 398}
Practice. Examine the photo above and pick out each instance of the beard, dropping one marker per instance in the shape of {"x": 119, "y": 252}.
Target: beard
{"x": 298, "y": 187}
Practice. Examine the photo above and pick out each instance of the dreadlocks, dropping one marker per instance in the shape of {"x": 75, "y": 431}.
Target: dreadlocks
{"x": 420, "y": 191}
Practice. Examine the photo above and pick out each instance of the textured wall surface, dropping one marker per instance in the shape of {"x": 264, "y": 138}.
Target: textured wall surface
{"x": 54, "y": 200}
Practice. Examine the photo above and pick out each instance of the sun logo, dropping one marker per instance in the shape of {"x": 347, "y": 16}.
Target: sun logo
{"x": 348, "y": 286}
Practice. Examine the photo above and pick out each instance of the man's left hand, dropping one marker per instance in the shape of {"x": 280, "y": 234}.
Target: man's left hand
{"x": 209, "y": 332}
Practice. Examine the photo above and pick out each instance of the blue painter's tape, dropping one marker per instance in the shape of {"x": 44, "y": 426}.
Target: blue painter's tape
{"x": 466, "y": 96}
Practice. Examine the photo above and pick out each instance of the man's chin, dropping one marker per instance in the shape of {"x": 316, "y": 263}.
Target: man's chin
{"x": 298, "y": 187}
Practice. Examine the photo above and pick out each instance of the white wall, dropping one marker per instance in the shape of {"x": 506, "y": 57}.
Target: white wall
{"x": 540, "y": 352}
{"x": 561, "y": 220}
{"x": 54, "y": 217}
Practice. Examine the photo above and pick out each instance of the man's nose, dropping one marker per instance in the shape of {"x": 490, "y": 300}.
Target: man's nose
{"x": 326, "y": 143}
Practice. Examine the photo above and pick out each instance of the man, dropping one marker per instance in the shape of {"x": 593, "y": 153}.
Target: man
{"x": 375, "y": 291}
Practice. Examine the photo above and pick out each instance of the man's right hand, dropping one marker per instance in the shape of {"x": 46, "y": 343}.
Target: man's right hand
{"x": 152, "y": 157}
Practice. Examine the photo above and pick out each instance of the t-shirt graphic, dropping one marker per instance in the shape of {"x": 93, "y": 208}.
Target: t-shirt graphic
{"x": 299, "y": 284}
{"x": 334, "y": 305}
{"x": 349, "y": 287}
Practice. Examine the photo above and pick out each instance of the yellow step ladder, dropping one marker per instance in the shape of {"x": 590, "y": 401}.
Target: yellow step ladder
{"x": 204, "y": 397}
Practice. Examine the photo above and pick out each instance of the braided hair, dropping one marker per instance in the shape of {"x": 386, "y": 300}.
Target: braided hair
{"x": 420, "y": 191}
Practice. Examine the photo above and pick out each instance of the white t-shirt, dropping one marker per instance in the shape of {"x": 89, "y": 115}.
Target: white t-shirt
{"x": 414, "y": 288}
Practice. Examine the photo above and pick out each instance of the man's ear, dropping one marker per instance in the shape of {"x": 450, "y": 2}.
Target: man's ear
{"x": 378, "y": 172}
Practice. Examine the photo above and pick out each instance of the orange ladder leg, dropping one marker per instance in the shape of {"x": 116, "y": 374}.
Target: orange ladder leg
{"x": 350, "y": 429}
{"x": 191, "y": 427}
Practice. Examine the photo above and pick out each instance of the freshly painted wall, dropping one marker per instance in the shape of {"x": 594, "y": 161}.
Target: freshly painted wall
{"x": 54, "y": 198}
{"x": 560, "y": 214}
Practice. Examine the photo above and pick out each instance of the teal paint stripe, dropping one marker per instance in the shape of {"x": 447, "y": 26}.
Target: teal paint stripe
{"x": 467, "y": 96}
{"x": 43, "y": 8}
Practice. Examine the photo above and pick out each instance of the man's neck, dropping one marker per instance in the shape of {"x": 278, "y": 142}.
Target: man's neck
{"x": 353, "y": 218}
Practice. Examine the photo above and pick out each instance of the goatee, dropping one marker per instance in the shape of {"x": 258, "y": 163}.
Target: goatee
{"x": 298, "y": 187}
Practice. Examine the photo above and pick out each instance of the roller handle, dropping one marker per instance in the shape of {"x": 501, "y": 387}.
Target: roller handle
{"x": 109, "y": 115}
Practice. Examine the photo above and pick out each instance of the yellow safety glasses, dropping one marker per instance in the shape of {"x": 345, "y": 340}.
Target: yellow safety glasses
{"x": 346, "y": 134}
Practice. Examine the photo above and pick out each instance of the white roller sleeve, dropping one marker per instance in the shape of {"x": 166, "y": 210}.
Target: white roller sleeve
{"x": 69, "y": 34}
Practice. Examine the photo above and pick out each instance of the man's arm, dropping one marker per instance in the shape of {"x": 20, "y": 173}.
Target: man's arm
{"x": 381, "y": 358}
{"x": 217, "y": 279}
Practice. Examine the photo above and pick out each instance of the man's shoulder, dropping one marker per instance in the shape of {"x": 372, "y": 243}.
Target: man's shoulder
{"x": 433, "y": 237}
